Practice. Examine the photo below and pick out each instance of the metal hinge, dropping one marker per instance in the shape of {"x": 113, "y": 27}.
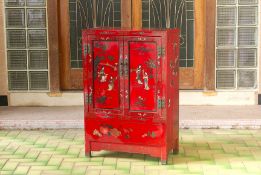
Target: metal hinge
{"x": 88, "y": 99}
{"x": 161, "y": 51}
{"x": 86, "y": 49}
{"x": 161, "y": 103}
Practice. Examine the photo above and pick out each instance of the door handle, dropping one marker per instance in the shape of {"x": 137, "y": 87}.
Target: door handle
{"x": 121, "y": 66}
{"x": 126, "y": 66}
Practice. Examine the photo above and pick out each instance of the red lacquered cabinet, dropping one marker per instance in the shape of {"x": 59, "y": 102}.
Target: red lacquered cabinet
{"x": 131, "y": 96}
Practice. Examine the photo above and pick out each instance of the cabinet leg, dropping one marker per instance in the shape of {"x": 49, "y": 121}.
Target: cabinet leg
{"x": 175, "y": 151}
{"x": 164, "y": 157}
{"x": 163, "y": 162}
{"x": 88, "y": 154}
{"x": 176, "y": 147}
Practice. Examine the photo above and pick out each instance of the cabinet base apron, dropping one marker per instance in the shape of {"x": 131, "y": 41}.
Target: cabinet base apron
{"x": 152, "y": 151}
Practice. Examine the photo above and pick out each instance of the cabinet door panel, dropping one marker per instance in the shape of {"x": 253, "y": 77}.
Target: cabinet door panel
{"x": 104, "y": 83}
{"x": 143, "y": 75}
{"x": 143, "y": 80}
{"x": 106, "y": 74}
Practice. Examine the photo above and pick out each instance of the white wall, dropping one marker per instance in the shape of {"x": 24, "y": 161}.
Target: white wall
{"x": 186, "y": 98}
{"x": 259, "y": 49}
{"x": 46, "y": 99}
{"x": 218, "y": 98}
{"x": 3, "y": 70}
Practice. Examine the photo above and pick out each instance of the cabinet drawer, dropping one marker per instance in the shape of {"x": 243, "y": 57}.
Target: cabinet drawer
{"x": 118, "y": 131}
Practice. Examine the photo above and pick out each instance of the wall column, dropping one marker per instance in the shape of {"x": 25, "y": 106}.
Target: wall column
{"x": 3, "y": 67}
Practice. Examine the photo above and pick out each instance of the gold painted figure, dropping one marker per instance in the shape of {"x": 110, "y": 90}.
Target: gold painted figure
{"x": 102, "y": 75}
{"x": 146, "y": 81}
{"x": 138, "y": 74}
{"x": 111, "y": 84}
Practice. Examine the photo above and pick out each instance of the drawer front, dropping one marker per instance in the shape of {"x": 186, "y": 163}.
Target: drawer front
{"x": 118, "y": 131}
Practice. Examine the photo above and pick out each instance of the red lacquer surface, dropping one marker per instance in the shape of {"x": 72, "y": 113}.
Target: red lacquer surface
{"x": 106, "y": 74}
{"x": 131, "y": 91}
{"x": 111, "y": 130}
{"x": 143, "y": 75}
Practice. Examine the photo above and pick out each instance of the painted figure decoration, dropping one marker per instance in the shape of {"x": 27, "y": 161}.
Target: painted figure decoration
{"x": 111, "y": 84}
{"x": 145, "y": 77}
{"x": 102, "y": 75}
{"x": 138, "y": 74}
{"x": 146, "y": 81}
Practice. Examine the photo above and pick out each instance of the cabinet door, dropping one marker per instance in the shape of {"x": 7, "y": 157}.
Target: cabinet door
{"x": 143, "y": 78}
{"x": 104, "y": 80}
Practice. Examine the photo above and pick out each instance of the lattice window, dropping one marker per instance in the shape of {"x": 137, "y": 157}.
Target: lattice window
{"x": 236, "y": 44}
{"x": 107, "y": 13}
{"x": 27, "y": 52}
{"x": 172, "y": 14}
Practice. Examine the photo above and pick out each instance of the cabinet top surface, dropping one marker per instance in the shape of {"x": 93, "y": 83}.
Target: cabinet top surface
{"x": 124, "y": 31}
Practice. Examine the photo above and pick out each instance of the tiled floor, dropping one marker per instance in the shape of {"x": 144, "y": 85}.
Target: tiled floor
{"x": 207, "y": 152}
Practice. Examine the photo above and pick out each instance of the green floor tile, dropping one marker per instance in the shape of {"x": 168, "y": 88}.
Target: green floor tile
{"x": 21, "y": 170}
{"x": 54, "y": 161}
{"x": 6, "y": 172}
{"x": 205, "y": 152}
{"x": 79, "y": 170}
{"x": 10, "y": 166}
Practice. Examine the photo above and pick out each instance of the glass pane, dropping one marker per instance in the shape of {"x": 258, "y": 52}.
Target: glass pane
{"x": 14, "y": 3}
{"x": 145, "y": 13}
{"x": 38, "y": 59}
{"x": 247, "y": 37}
{"x": 158, "y": 14}
{"x": 36, "y": 18}
{"x": 17, "y": 59}
{"x": 226, "y": 58}
{"x": 15, "y": 18}
{"x": 226, "y": 37}
{"x": 16, "y": 39}
{"x": 190, "y": 40}
{"x": 181, "y": 15}
{"x": 226, "y": 2}
{"x": 247, "y": 16}
{"x": 183, "y": 63}
{"x": 38, "y": 80}
{"x": 226, "y": 79}
{"x": 37, "y": 39}
{"x": 247, "y": 57}
{"x": 17, "y": 80}
{"x": 35, "y": 3}
{"x": 226, "y": 16}
{"x": 247, "y": 78}
{"x": 108, "y": 13}
{"x": 249, "y": 2}
{"x": 81, "y": 17}
{"x": 190, "y": 63}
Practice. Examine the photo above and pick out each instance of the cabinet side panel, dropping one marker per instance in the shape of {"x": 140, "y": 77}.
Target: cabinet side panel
{"x": 173, "y": 89}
